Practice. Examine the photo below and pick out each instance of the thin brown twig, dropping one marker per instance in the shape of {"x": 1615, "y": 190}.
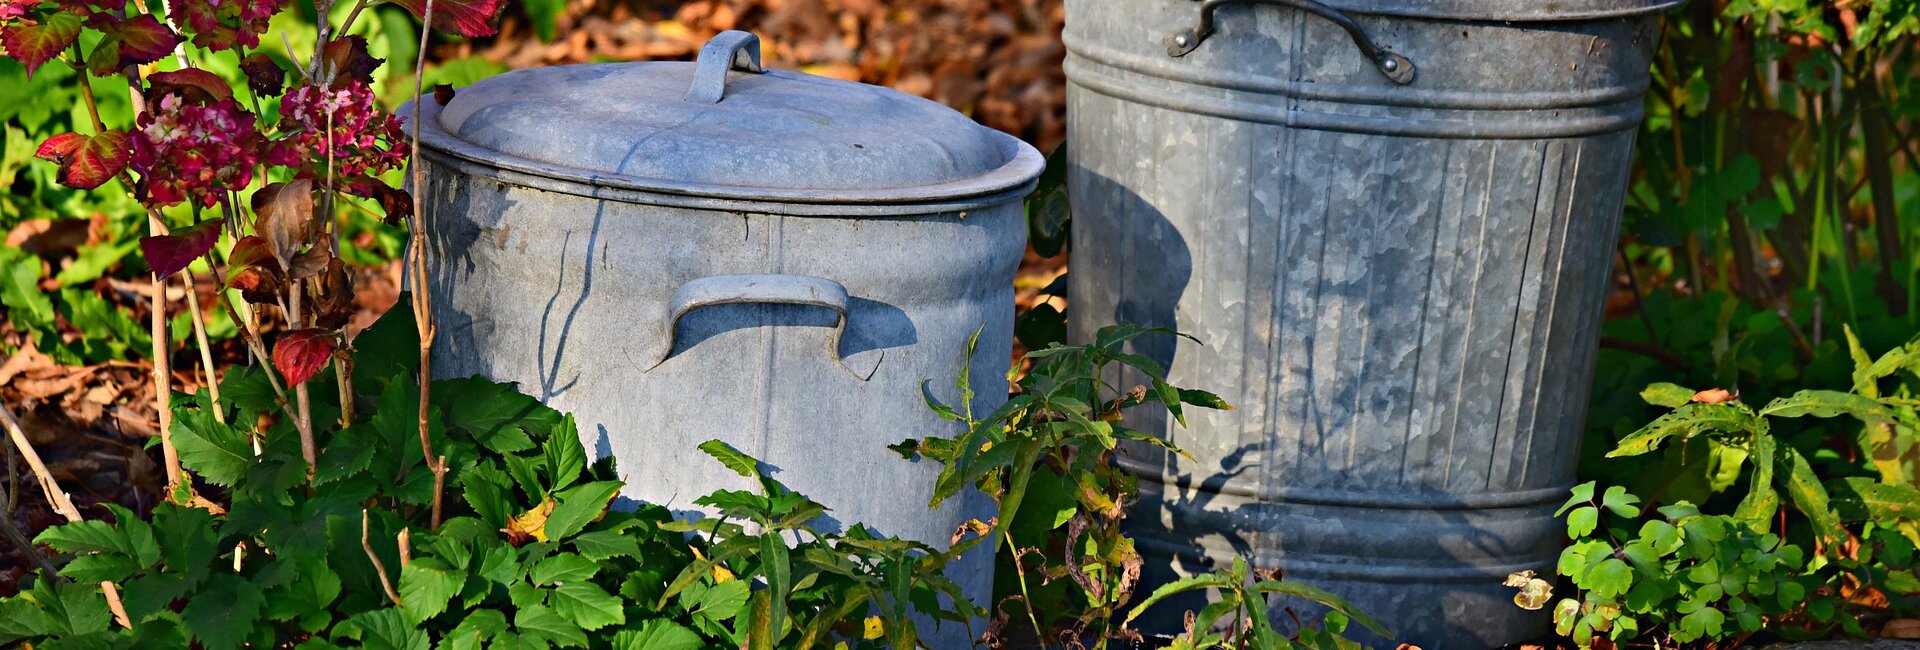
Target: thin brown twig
{"x": 378, "y": 566}
{"x": 422, "y": 312}
{"x": 60, "y": 502}
{"x": 404, "y": 541}
{"x": 200, "y": 340}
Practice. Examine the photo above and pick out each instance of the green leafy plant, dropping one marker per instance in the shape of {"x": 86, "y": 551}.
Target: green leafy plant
{"x": 1243, "y": 596}
{"x": 1046, "y": 457}
{"x": 1684, "y": 577}
{"x": 1695, "y": 576}
{"x": 530, "y": 554}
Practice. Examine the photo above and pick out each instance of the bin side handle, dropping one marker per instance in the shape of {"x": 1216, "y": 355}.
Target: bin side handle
{"x": 730, "y": 50}
{"x": 1396, "y": 68}
{"x": 763, "y": 289}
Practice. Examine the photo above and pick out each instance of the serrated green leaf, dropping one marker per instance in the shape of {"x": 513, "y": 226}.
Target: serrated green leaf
{"x": 658, "y": 634}
{"x": 566, "y": 458}
{"x": 1810, "y": 497}
{"x": 479, "y": 627}
{"x": 1582, "y": 493}
{"x": 222, "y": 612}
{"x": 497, "y": 416}
{"x": 217, "y": 452}
{"x": 426, "y": 585}
{"x": 383, "y": 629}
{"x": 541, "y": 622}
{"x": 579, "y": 506}
{"x": 563, "y": 568}
{"x": 587, "y": 605}
{"x": 601, "y": 545}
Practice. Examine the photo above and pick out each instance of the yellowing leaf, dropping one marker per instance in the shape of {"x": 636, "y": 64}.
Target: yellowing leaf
{"x": 720, "y": 574}
{"x": 532, "y": 523}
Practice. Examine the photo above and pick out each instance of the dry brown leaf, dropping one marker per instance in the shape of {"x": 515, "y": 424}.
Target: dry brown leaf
{"x": 1714, "y": 396}
{"x": 1901, "y": 628}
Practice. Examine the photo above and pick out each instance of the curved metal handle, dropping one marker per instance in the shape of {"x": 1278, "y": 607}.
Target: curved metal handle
{"x": 1397, "y": 68}
{"x": 765, "y": 289}
{"x": 730, "y": 50}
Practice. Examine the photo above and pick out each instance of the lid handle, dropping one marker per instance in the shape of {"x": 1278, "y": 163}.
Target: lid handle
{"x": 730, "y": 50}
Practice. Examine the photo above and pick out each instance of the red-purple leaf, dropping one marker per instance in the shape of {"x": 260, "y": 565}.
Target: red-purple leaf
{"x": 136, "y": 40}
{"x": 346, "y": 59}
{"x": 463, "y": 17}
{"x": 87, "y": 161}
{"x": 34, "y": 44}
{"x": 264, "y": 77}
{"x": 167, "y": 254}
{"x": 301, "y": 354}
{"x": 191, "y": 84}
{"x": 284, "y": 216}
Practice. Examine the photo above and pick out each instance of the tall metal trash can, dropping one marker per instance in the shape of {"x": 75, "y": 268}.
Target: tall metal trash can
{"x": 680, "y": 251}
{"x": 1391, "y": 222}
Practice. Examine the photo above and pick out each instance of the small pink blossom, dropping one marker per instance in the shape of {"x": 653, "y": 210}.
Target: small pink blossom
{"x": 185, "y": 151}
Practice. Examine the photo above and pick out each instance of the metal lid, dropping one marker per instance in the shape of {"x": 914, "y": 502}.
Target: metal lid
{"x": 724, "y": 127}
{"x": 1505, "y": 10}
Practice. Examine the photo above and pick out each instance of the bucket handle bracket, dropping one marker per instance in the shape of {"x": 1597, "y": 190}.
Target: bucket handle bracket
{"x": 763, "y": 289}
{"x": 730, "y": 50}
{"x": 1396, "y": 68}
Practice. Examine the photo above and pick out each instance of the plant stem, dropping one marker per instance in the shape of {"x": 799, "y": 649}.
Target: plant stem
{"x": 304, "y": 413}
{"x": 60, "y": 502}
{"x": 162, "y": 364}
{"x": 378, "y": 566}
{"x": 422, "y": 305}
{"x": 1026, "y": 601}
{"x": 206, "y": 350}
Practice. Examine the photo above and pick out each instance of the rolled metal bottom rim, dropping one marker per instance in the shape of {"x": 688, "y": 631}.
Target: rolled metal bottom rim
{"x": 1153, "y": 477}
{"x": 1359, "y": 569}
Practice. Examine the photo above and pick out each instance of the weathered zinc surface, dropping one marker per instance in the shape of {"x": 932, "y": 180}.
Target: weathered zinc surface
{"x": 1394, "y": 244}
{"x": 677, "y": 252}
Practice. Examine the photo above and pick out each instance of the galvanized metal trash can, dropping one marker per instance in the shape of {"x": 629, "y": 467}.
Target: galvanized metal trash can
{"x": 1391, "y": 223}
{"x": 675, "y": 252}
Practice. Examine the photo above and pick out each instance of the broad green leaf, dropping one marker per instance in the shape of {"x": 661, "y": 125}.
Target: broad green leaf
{"x": 1762, "y": 501}
{"x": 734, "y": 459}
{"x": 1620, "y": 503}
{"x": 383, "y": 629}
{"x": 497, "y": 416}
{"x": 658, "y": 634}
{"x": 474, "y": 631}
{"x": 1582, "y": 493}
{"x": 425, "y": 586}
{"x": 566, "y": 458}
{"x": 601, "y": 545}
{"x": 1862, "y": 499}
{"x": 543, "y": 623}
{"x": 1827, "y": 404}
{"x": 1582, "y": 521}
{"x": 563, "y": 568}
{"x": 1689, "y": 421}
{"x": 1182, "y": 585}
{"x": 1610, "y": 578}
{"x": 587, "y": 605}
{"x": 1668, "y": 395}
{"x": 777, "y": 568}
{"x": 217, "y": 452}
{"x": 579, "y": 506}
{"x": 222, "y": 612}
{"x": 1331, "y": 600}
{"x": 1810, "y": 497}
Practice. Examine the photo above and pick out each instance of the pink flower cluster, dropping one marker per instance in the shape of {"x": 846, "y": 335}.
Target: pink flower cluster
{"x": 191, "y": 151}
{"x": 362, "y": 138}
